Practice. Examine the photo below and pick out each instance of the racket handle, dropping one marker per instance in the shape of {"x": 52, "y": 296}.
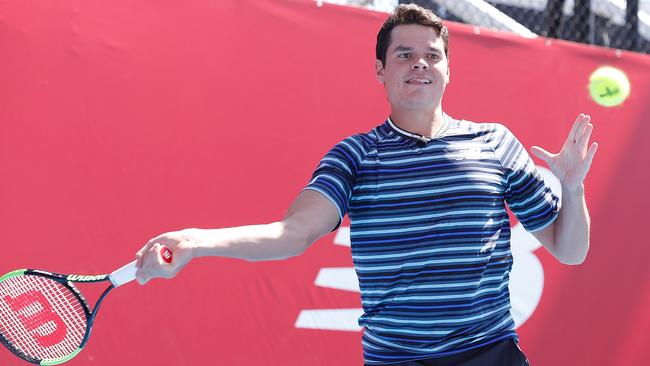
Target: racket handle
{"x": 126, "y": 273}
{"x": 123, "y": 275}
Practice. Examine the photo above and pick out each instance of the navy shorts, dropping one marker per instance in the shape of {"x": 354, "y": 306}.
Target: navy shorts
{"x": 503, "y": 353}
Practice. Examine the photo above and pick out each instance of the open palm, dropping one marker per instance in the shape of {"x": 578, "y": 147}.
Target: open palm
{"x": 572, "y": 163}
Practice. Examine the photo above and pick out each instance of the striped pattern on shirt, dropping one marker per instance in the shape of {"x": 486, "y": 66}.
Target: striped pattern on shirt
{"x": 430, "y": 234}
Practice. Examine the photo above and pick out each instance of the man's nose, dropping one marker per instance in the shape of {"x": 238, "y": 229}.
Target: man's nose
{"x": 420, "y": 64}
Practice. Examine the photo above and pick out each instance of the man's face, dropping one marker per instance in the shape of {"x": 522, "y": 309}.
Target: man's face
{"x": 416, "y": 72}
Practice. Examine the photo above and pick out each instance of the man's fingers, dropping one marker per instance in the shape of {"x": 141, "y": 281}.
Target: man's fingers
{"x": 141, "y": 275}
{"x": 583, "y": 140}
{"x": 150, "y": 262}
{"x": 140, "y": 254}
{"x": 154, "y": 265}
{"x": 542, "y": 154}
{"x": 141, "y": 278}
{"x": 586, "y": 164}
{"x": 590, "y": 154}
{"x": 147, "y": 270}
{"x": 163, "y": 239}
{"x": 579, "y": 133}
{"x": 576, "y": 125}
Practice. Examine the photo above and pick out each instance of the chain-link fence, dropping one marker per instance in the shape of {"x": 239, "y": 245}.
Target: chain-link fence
{"x": 609, "y": 23}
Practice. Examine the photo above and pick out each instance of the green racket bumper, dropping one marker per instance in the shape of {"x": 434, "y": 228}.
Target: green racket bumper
{"x": 57, "y": 361}
{"x": 16, "y": 273}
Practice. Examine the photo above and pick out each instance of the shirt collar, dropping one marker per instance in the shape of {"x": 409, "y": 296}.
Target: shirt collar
{"x": 417, "y": 136}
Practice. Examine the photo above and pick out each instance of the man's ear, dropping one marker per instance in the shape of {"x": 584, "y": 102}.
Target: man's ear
{"x": 379, "y": 71}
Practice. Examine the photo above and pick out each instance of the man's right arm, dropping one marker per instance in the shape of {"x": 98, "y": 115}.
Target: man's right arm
{"x": 310, "y": 217}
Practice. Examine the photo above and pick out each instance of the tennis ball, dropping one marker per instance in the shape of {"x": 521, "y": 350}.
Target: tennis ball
{"x": 609, "y": 86}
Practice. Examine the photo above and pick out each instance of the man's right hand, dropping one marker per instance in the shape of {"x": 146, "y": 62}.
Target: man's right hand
{"x": 150, "y": 263}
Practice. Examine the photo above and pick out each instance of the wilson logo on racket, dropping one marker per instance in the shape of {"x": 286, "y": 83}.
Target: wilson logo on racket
{"x": 80, "y": 278}
{"x": 166, "y": 255}
{"x": 45, "y": 326}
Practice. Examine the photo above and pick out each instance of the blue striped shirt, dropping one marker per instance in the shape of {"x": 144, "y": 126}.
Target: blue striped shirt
{"x": 430, "y": 234}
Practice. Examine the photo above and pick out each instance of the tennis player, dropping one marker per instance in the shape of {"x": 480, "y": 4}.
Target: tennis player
{"x": 426, "y": 195}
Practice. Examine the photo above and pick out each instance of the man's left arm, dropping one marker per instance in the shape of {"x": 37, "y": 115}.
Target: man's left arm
{"x": 568, "y": 237}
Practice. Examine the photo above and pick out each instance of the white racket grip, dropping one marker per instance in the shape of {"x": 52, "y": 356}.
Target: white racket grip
{"x": 123, "y": 275}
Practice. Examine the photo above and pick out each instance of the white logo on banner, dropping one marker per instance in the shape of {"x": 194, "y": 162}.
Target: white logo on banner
{"x": 526, "y": 279}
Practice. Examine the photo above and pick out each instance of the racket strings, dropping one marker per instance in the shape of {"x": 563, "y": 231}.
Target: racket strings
{"x": 40, "y": 317}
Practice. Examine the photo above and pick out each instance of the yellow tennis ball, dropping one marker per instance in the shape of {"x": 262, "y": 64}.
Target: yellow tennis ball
{"x": 609, "y": 86}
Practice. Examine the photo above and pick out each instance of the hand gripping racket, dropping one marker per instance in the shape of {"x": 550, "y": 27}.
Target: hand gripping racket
{"x": 44, "y": 319}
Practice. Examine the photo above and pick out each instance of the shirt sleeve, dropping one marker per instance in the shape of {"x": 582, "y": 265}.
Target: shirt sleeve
{"x": 334, "y": 177}
{"x": 529, "y": 197}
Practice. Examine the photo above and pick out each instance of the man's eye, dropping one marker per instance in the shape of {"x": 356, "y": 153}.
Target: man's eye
{"x": 434, "y": 56}
{"x": 403, "y": 55}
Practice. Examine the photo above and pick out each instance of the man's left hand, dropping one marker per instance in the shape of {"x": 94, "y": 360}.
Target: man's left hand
{"x": 572, "y": 163}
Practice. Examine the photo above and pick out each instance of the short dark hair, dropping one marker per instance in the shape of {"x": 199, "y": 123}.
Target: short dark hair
{"x": 409, "y": 14}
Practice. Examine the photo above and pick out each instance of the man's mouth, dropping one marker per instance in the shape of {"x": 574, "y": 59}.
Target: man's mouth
{"x": 418, "y": 81}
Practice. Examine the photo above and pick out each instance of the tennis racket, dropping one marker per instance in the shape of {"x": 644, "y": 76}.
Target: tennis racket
{"x": 44, "y": 319}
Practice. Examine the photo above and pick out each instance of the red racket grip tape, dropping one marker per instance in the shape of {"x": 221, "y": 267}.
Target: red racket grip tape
{"x": 166, "y": 254}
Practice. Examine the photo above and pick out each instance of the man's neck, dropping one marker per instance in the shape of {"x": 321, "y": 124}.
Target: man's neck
{"x": 425, "y": 124}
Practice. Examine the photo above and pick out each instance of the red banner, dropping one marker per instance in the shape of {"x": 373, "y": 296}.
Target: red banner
{"x": 121, "y": 120}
